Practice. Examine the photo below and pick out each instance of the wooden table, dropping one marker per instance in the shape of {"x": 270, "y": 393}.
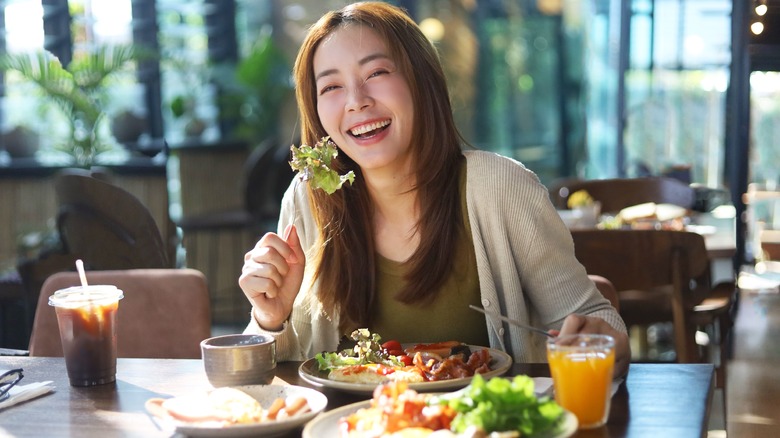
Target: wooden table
{"x": 668, "y": 400}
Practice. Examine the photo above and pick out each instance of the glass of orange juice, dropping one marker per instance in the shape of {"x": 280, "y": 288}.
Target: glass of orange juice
{"x": 581, "y": 366}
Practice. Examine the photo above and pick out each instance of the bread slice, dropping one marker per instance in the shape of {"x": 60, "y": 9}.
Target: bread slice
{"x": 652, "y": 211}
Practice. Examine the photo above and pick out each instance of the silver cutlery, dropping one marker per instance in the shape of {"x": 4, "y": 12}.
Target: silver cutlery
{"x": 511, "y": 321}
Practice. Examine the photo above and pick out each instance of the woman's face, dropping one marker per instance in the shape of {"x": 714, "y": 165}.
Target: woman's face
{"x": 363, "y": 100}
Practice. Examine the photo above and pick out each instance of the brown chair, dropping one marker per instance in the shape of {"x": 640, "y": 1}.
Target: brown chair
{"x": 616, "y": 194}
{"x": 662, "y": 276}
{"x": 165, "y": 313}
{"x": 607, "y": 289}
{"x": 106, "y": 226}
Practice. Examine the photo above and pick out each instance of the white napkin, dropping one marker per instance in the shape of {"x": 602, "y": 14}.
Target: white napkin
{"x": 20, "y": 393}
{"x": 544, "y": 386}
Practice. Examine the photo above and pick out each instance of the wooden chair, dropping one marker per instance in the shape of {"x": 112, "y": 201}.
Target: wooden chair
{"x": 607, "y": 289}
{"x": 165, "y": 313}
{"x": 106, "y": 226}
{"x": 662, "y": 276}
{"x": 616, "y": 194}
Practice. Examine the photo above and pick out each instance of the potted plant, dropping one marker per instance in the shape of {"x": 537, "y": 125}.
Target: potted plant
{"x": 184, "y": 107}
{"x": 254, "y": 91}
{"x": 20, "y": 141}
{"x": 78, "y": 91}
{"x": 127, "y": 126}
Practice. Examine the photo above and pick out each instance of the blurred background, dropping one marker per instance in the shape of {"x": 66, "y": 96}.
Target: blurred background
{"x": 584, "y": 89}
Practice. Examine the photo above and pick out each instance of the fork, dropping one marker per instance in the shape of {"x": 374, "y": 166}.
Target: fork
{"x": 511, "y": 321}
{"x": 301, "y": 176}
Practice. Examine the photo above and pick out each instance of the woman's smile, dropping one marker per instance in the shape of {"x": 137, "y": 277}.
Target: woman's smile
{"x": 370, "y": 129}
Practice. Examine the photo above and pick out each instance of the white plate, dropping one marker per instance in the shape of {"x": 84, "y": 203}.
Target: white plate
{"x": 327, "y": 424}
{"x": 500, "y": 362}
{"x": 265, "y": 394}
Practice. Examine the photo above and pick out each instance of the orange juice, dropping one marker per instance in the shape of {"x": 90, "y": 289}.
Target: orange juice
{"x": 581, "y": 368}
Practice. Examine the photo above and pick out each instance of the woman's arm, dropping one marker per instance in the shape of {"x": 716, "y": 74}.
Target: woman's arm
{"x": 530, "y": 255}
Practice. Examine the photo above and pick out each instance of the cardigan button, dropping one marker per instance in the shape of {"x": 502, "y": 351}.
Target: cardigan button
{"x": 501, "y": 331}
{"x": 485, "y": 303}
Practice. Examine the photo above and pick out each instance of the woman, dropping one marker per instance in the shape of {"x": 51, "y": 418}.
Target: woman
{"x": 426, "y": 229}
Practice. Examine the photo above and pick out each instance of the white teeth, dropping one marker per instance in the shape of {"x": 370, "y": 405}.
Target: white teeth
{"x": 362, "y": 129}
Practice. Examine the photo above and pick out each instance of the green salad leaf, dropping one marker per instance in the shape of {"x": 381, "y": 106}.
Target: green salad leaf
{"x": 502, "y": 404}
{"x": 313, "y": 163}
{"x": 367, "y": 350}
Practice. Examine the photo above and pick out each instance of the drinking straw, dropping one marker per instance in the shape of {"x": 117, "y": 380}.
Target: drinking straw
{"x": 91, "y": 309}
{"x": 82, "y": 274}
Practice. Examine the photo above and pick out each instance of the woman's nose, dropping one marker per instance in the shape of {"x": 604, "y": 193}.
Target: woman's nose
{"x": 358, "y": 99}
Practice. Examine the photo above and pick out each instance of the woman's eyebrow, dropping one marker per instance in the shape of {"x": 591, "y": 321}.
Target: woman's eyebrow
{"x": 373, "y": 57}
{"x": 324, "y": 73}
{"x": 363, "y": 61}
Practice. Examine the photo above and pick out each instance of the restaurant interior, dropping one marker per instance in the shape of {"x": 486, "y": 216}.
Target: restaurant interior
{"x": 623, "y": 108}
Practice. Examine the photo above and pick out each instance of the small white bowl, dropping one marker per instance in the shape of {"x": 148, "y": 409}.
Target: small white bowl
{"x": 241, "y": 359}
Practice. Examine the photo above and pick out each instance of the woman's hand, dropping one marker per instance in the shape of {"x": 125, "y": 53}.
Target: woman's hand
{"x": 574, "y": 324}
{"x": 272, "y": 276}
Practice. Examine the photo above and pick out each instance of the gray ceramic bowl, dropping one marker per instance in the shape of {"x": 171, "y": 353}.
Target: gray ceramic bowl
{"x": 234, "y": 360}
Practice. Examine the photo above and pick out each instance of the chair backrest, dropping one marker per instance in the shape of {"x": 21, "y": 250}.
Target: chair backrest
{"x": 616, "y": 194}
{"x": 267, "y": 175}
{"x": 165, "y": 313}
{"x": 649, "y": 259}
{"x": 607, "y": 289}
{"x": 106, "y": 226}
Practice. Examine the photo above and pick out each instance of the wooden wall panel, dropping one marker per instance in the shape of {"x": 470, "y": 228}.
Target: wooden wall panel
{"x": 28, "y": 204}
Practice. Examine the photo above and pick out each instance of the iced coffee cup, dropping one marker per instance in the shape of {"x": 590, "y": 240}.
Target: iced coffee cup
{"x": 87, "y": 320}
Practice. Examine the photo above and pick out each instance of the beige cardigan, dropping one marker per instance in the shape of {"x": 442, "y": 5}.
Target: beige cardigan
{"x": 525, "y": 261}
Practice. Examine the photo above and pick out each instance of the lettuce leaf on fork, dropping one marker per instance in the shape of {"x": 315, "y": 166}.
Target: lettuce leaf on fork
{"x": 313, "y": 164}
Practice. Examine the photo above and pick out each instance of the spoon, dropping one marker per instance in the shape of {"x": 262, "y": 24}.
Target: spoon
{"x": 511, "y": 321}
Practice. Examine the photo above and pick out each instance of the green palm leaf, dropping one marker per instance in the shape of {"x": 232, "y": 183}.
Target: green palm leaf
{"x": 77, "y": 89}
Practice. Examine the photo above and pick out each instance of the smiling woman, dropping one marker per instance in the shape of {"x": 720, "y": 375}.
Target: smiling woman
{"x": 426, "y": 229}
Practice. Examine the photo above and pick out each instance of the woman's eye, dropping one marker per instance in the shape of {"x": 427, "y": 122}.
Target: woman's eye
{"x": 378, "y": 72}
{"x": 327, "y": 88}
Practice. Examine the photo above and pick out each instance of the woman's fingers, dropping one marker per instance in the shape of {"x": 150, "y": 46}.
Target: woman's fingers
{"x": 272, "y": 245}
{"x": 573, "y": 324}
{"x": 257, "y": 278}
{"x": 272, "y": 275}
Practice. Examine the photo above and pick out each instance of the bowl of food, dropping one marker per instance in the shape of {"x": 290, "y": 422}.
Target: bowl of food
{"x": 240, "y": 359}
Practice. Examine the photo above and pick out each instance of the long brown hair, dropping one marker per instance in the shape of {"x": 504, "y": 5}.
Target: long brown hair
{"x": 346, "y": 266}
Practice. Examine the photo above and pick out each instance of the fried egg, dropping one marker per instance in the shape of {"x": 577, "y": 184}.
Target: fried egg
{"x": 375, "y": 374}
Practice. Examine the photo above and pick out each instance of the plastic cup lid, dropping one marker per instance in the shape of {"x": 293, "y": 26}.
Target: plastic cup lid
{"x": 78, "y": 296}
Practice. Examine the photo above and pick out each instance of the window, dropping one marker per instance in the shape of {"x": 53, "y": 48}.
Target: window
{"x": 23, "y": 26}
{"x": 676, "y": 89}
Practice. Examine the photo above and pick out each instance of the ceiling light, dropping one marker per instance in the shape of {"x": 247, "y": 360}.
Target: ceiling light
{"x": 757, "y": 27}
{"x": 761, "y": 10}
{"x": 433, "y": 29}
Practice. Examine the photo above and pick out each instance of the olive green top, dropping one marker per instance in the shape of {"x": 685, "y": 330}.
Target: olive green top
{"x": 448, "y": 318}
